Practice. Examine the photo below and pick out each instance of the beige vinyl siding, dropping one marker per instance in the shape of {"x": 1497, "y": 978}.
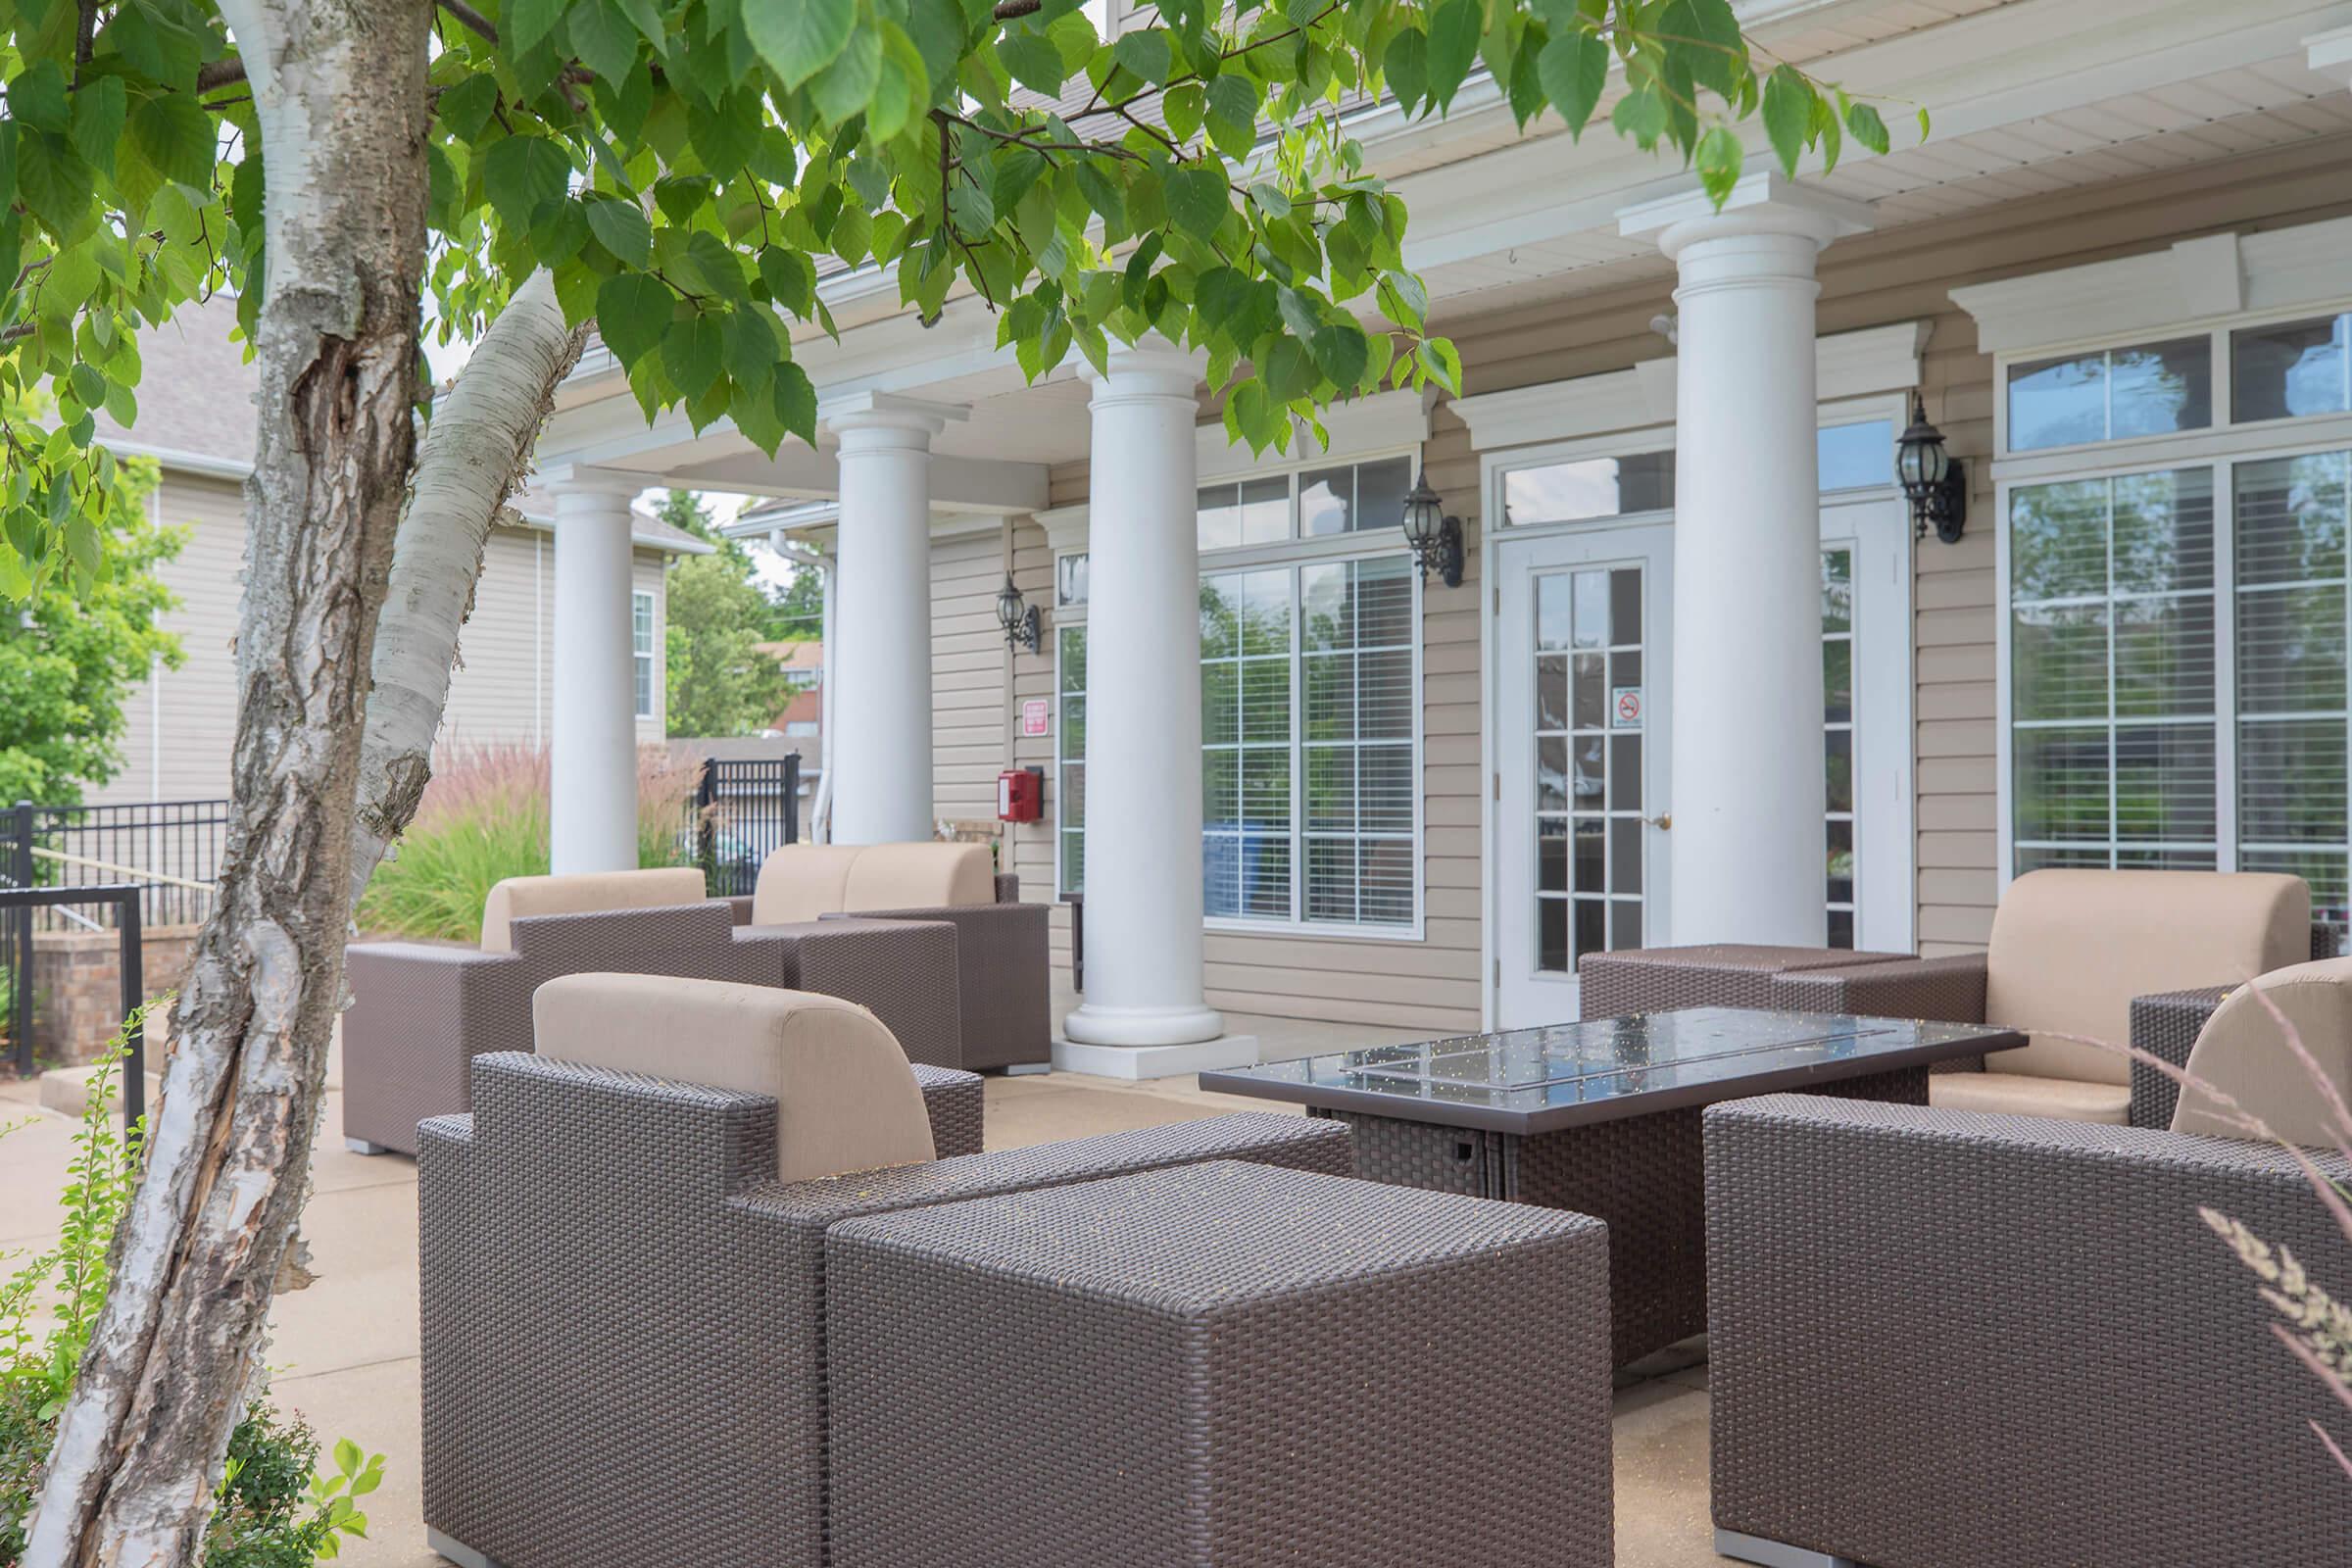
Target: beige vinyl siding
{"x": 500, "y": 691}
{"x": 1029, "y": 846}
{"x": 968, "y": 675}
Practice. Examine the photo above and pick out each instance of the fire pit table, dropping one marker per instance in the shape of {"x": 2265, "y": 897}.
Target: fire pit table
{"x": 1602, "y": 1117}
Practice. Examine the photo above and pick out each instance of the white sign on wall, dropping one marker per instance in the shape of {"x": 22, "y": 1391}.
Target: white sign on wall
{"x": 1035, "y": 714}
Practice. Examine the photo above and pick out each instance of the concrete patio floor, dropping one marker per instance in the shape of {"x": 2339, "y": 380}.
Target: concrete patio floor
{"x": 344, "y": 1352}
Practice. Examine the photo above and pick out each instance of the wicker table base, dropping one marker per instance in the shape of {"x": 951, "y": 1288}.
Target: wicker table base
{"x": 1641, "y": 1175}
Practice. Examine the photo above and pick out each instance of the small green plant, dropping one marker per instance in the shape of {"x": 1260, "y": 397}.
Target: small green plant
{"x": 279, "y": 1507}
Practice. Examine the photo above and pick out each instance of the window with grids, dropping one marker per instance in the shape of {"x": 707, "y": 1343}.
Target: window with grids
{"x": 1308, "y": 760}
{"x": 641, "y": 648}
{"x": 2148, "y": 727}
{"x": 1069, "y": 755}
{"x": 1837, "y": 733}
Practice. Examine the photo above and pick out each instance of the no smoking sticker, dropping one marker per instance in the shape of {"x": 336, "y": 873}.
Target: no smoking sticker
{"x": 1624, "y": 707}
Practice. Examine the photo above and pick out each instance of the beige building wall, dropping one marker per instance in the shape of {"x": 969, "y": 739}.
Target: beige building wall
{"x": 1874, "y": 281}
{"x": 501, "y": 690}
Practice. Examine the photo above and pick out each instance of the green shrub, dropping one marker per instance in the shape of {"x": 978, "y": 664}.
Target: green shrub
{"x": 484, "y": 819}
{"x": 277, "y": 1508}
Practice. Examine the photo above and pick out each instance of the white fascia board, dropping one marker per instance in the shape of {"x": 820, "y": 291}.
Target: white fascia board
{"x": 1065, "y": 527}
{"x": 2330, "y": 53}
{"x": 1845, "y": 364}
{"x": 963, "y": 484}
{"x": 2199, "y": 279}
{"x": 1382, "y": 422}
{"x": 541, "y": 523}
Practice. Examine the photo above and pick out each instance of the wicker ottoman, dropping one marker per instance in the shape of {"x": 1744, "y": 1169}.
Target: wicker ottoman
{"x": 1224, "y": 1365}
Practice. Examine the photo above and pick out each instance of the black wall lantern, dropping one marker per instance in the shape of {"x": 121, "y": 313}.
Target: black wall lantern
{"x": 1436, "y": 538}
{"x": 1934, "y": 482}
{"x": 1018, "y": 617}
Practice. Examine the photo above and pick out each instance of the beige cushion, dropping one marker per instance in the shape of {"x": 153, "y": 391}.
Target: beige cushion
{"x": 802, "y": 881}
{"x": 846, "y": 1098}
{"x": 2070, "y": 948}
{"x": 2013, "y": 1094}
{"x": 806, "y": 881}
{"x": 2245, "y": 1054}
{"x": 521, "y": 897}
{"x": 921, "y": 876}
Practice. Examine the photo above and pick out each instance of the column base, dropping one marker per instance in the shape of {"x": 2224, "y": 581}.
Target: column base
{"x": 1096, "y": 1023}
{"x": 1155, "y": 1062}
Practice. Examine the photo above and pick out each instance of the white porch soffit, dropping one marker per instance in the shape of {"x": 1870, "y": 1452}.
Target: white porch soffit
{"x": 2193, "y": 280}
{"x": 1846, "y": 365}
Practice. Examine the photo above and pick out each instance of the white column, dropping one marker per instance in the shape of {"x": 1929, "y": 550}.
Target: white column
{"x": 1143, "y": 731}
{"x": 593, "y": 761}
{"x": 879, "y": 666}
{"x": 1746, "y": 714}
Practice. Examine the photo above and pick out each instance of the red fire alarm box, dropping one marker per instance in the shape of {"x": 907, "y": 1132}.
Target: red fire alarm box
{"x": 1020, "y": 794}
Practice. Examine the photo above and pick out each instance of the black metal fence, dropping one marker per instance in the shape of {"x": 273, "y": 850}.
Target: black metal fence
{"x": 121, "y": 902}
{"x": 171, "y": 848}
{"x": 744, "y": 810}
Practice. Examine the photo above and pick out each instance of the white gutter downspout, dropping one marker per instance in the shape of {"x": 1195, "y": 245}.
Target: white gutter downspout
{"x": 820, "y": 809}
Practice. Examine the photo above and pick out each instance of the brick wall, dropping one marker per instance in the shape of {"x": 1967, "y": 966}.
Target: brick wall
{"x": 78, "y": 989}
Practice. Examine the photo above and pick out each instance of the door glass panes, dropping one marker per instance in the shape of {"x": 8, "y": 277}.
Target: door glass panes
{"x": 1069, "y": 753}
{"x": 2291, "y": 370}
{"x": 1246, "y": 743}
{"x": 1590, "y": 710}
{"x": 1253, "y": 511}
{"x": 2110, "y": 394}
{"x": 1838, "y": 726}
{"x": 1356, "y": 751}
{"x": 2291, "y": 523}
{"x": 2112, "y": 663}
{"x": 1595, "y": 487}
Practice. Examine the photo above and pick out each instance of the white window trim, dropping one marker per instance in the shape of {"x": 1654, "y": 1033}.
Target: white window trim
{"x": 1071, "y": 619}
{"x": 2312, "y": 436}
{"x": 651, "y": 656}
{"x": 1245, "y": 558}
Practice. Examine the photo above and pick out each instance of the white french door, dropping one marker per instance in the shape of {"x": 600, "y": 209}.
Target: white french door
{"x": 1582, "y": 810}
{"x": 1583, "y": 651}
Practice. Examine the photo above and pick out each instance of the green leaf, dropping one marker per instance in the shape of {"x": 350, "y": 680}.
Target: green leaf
{"x": 1182, "y": 108}
{"x": 632, "y": 311}
{"x": 1288, "y": 370}
{"x": 750, "y": 351}
{"x": 1405, "y": 65}
{"x": 38, "y": 97}
{"x": 1146, "y": 53}
{"x": 605, "y": 38}
{"x": 518, "y": 173}
{"x": 1824, "y": 124}
{"x": 98, "y": 113}
{"x": 1642, "y": 116}
{"x": 1718, "y": 158}
{"x": 465, "y": 107}
{"x": 846, "y": 86}
{"x": 526, "y": 24}
{"x": 1233, "y": 114}
{"x": 1103, "y": 194}
{"x": 1270, "y": 200}
{"x": 790, "y": 276}
{"x": 1440, "y": 358}
{"x": 176, "y": 137}
{"x": 1923, "y": 121}
{"x": 1197, "y": 199}
{"x": 1866, "y": 127}
{"x": 1341, "y": 350}
{"x": 798, "y": 38}
{"x": 1033, "y": 61}
{"x": 1787, "y": 114}
{"x": 903, "y": 90}
{"x": 1453, "y": 31}
{"x": 692, "y": 349}
{"x": 620, "y": 228}
{"x": 1573, "y": 68}
{"x": 795, "y": 401}
{"x": 55, "y": 184}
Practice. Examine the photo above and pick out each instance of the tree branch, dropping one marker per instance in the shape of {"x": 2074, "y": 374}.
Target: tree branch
{"x": 1010, "y": 10}
{"x": 219, "y": 74}
{"x": 474, "y": 21}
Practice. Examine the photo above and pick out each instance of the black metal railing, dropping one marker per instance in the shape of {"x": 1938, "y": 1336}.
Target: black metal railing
{"x": 745, "y": 809}
{"x": 121, "y": 902}
{"x": 171, "y": 849}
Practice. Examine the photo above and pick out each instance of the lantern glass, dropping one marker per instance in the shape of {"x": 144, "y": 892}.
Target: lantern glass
{"x": 1423, "y": 514}
{"x": 1009, "y": 605}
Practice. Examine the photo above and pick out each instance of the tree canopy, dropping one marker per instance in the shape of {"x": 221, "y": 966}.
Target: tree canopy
{"x": 688, "y": 169}
{"x": 719, "y": 681}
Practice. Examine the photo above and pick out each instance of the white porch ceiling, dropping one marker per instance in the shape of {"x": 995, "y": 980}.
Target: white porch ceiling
{"x": 2028, "y": 97}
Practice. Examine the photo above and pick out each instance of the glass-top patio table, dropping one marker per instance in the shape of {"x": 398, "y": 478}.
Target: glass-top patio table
{"x": 1602, "y": 1117}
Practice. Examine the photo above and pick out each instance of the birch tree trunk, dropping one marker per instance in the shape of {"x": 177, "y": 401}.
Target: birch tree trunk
{"x": 474, "y": 456}
{"x": 338, "y": 86}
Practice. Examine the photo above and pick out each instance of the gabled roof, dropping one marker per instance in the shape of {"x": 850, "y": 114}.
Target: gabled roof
{"x": 195, "y": 393}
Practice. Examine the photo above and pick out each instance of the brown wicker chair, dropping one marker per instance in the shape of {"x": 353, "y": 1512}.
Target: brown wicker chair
{"x": 420, "y": 1013}
{"x": 624, "y": 1306}
{"x": 2071, "y": 950}
{"x": 1944, "y": 1339}
{"x": 1003, "y": 980}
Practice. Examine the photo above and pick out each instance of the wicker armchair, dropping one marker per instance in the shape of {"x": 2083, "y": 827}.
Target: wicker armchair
{"x": 1953, "y": 1340}
{"x": 624, "y": 1309}
{"x": 419, "y": 1012}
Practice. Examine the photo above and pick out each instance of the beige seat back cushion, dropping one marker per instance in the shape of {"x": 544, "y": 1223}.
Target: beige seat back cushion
{"x": 921, "y": 876}
{"x": 521, "y": 897}
{"x": 846, "y": 1098}
{"x": 2245, "y": 1054}
{"x": 800, "y": 882}
{"x": 2071, "y": 947}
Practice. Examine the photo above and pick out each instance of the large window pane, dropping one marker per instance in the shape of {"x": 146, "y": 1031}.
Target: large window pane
{"x": 2291, "y": 370}
{"x": 2111, "y": 395}
{"x": 1594, "y": 487}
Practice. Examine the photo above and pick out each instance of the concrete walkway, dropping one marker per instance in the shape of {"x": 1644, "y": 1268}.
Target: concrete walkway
{"x": 344, "y": 1352}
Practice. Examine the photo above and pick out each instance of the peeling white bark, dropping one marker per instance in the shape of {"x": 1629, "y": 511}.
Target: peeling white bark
{"x": 338, "y": 86}
{"x": 474, "y": 456}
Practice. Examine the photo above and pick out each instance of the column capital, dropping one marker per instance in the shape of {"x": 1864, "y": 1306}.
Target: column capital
{"x": 1154, "y": 368}
{"x": 913, "y": 421}
{"x": 1764, "y": 203}
{"x": 562, "y": 479}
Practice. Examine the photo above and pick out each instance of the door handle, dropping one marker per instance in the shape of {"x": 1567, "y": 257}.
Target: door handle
{"x": 1663, "y": 821}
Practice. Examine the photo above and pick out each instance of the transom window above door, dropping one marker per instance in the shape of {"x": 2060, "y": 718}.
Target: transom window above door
{"x": 1852, "y": 455}
{"x": 1367, "y": 496}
